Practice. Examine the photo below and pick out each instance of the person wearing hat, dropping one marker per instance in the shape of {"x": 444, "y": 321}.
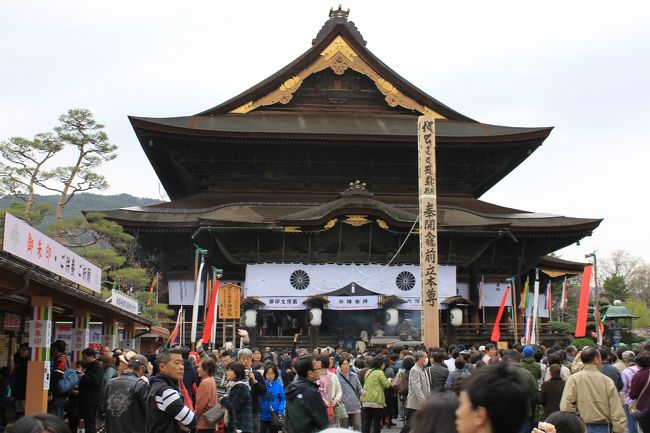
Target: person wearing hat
{"x": 90, "y": 385}
{"x": 629, "y": 358}
{"x": 528, "y": 362}
{"x": 125, "y": 398}
{"x": 123, "y": 361}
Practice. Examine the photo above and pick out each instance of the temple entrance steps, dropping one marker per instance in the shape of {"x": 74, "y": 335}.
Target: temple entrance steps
{"x": 285, "y": 342}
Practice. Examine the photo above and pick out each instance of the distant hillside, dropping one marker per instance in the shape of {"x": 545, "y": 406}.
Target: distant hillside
{"x": 87, "y": 201}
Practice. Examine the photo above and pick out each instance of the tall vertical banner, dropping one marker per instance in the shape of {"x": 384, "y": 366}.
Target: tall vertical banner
{"x": 496, "y": 330}
{"x": 583, "y": 306}
{"x": 195, "y": 306}
{"x": 534, "y": 329}
{"x": 428, "y": 229}
{"x": 209, "y": 318}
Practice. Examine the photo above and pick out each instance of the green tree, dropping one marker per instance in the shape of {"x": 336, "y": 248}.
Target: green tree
{"x": 639, "y": 308}
{"x": 78, "y": 129}
{"x": 615, "y": 288}
{"x": 38, "y": 211}
{"x": 22, "y": 167}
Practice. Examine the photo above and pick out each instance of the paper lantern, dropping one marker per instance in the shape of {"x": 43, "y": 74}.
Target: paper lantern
{"x": 456, "y": 316}
{"x": 250, "y": 318}
{"x": 315, "y": 317}
{"x": 392, "y": 317}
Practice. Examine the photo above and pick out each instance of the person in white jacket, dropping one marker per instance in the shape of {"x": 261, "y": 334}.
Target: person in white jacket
{"x": 419, "y": 388}
{"x": 330, "y": 389}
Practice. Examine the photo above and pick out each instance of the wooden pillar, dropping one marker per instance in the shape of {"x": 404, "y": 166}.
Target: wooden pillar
{"x": 110, "y": 333}
{"x": 80, "y": 334}
{"x": 38, "y": 367}
{"x": 428, "y": 225}
{"x": 129, "y": 333}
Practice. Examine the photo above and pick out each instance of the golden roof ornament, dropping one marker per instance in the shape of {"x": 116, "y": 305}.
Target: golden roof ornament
{"x": 339, "y": 13}
{"x": 356, "y": 188}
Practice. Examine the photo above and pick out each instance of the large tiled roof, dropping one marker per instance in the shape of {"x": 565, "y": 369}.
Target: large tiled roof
{"x": 334, "y": 124}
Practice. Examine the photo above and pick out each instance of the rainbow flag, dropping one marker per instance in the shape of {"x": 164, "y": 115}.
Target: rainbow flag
{"x": 524, "y": 298}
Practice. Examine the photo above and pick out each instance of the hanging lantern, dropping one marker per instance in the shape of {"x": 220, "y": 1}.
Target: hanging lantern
{"x": 315, "y": 317}
{"x": 250, "y": 318}
{"x": 392, "y": 317}
{"x": 456, "y": 316}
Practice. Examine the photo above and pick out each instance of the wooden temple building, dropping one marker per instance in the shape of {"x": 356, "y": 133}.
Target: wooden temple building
{"x": 317, "y": 165}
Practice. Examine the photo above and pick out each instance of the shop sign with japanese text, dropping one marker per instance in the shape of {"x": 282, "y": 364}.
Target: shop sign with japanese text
{"x": 40, "y": 333}
{"x": 124, "y": 302}
{"x": 24, "y": 241}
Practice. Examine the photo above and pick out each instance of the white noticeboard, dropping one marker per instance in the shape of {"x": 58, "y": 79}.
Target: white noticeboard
{"x": 124, "y": 302}
{"x": 24, "y": 241}
{"x": 181, "y": 292}
{"x": 46, "y": 376}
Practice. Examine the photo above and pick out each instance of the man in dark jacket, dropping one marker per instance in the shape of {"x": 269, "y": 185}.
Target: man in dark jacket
{"x": 190, "y": 374}
{"x": 166, "y": 411}
{"x": 19, "y": 386}
{"x": 125, "y": 399}
{"x": 438, "y": 372}
{"x": 90, "y": 385}
{"x": 609, "y": 370}
{"x": 256, "y": 382}
{"x": 305, "y": 411}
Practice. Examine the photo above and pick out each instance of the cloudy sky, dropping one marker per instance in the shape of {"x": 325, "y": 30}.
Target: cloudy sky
{"x": 580, "y": 66}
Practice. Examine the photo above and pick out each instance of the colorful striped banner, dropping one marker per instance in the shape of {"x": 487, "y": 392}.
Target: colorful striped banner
{"x": 40, "y": 333}
{"x": 80, "y": 336}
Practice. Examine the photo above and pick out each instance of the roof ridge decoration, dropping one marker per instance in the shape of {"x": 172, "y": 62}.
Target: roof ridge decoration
{"x": 338, "y": 16}
{"x": 356, "y": 188}
{"x": 338, "y": 56}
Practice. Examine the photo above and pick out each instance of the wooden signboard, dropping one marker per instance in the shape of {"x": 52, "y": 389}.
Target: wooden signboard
{"x": 229, "y": 301}
{"x": 428, "y": 230}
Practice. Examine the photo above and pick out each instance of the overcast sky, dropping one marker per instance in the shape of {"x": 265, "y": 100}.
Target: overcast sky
{"x": 580, "y": 66}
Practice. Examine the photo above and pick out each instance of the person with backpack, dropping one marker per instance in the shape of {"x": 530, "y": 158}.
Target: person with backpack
{"x": 401, "y": 384}
{"x": 455, "y": 377}
{"x": 62, "y": 379}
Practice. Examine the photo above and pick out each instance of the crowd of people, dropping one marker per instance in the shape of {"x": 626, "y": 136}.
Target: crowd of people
{"x": 454, "y": 389}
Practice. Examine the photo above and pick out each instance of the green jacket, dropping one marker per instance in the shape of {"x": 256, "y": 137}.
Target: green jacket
{"x": 529, "y": 363}
{"x": 375, "y": 383}
{"x": 305, "y": 409}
